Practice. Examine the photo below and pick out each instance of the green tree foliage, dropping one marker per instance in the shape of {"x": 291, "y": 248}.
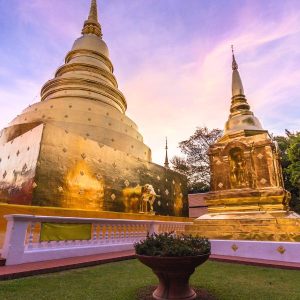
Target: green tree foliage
{"x": 289, "y": 147}
{"x": 195, "y": 162}
{"x": 294, "y": 158}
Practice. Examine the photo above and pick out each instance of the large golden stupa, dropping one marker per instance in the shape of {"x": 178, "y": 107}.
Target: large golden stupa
{"x": 77, "y": 150}
{"x": 247, "y": 198}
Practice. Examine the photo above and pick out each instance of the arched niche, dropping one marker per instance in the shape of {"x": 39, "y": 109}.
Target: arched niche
{"x": 232, "y": 145}
{"x": 238, "y": 172}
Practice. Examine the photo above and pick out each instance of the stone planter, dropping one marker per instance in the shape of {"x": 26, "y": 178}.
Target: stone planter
{"x": 173, "y": 274}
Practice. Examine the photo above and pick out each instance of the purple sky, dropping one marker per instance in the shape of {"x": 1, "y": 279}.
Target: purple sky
{"x": 172, "y": 59}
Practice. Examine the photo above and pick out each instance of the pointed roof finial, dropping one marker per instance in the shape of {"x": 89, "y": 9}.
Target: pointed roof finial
{"x": 234, "y": 63}
{"x": 91, "y": 25}
{"x": 93, "y": 16}
{"x": 237, "y": 85}
{"x": 241, "y": 117}
{"x": 166, "y": 158}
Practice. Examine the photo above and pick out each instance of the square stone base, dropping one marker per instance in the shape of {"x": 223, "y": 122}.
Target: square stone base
{"x": 259, "y": 226}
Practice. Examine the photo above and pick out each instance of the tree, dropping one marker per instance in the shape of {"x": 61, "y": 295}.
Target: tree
{"x": 289, "y": 147}
{"x": 293, "y": 153}
{"x": 195, "y": 162}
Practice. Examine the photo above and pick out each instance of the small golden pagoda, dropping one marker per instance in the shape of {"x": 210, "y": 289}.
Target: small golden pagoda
{"x": 247, "y": 198}
{"x": 76, "y": 151}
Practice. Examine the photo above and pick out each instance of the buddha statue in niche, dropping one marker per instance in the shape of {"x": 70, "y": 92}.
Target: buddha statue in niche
{"x": 237, "y": 168}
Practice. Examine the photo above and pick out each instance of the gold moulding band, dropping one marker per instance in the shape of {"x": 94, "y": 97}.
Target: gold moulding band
{"x": 65, "y": 232}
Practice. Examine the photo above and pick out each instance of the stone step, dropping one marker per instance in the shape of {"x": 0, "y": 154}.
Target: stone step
{"x": 246, "y": 228}
{"x": 250, "y": 235}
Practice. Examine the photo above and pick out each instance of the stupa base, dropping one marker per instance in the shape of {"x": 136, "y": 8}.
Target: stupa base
{"x": 255, "y": 225}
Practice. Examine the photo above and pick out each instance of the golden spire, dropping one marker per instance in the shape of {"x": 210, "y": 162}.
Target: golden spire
{"x": 166, "y": 158}
{"x": 91, "y": 25}
{"x": 234, "y": 63}
{"x": 241, "y": 117}
{"x": 237, "y": 86}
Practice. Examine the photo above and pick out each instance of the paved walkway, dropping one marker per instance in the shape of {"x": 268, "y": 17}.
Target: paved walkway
{"x": 29, "y": 269}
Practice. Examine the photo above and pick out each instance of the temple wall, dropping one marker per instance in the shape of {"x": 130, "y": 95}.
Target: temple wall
{"x": 12, "y": 132}
{"x": 18, "y": 162}
{"x": 74, "y": 172}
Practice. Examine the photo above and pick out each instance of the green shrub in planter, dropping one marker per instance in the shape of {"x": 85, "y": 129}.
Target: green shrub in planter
{"x": 171, "y": 245}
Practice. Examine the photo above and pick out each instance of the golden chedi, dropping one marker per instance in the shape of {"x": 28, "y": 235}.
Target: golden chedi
{"x": 77, "y": 149}
{"x": 245, "y": 168}
{"x": 247, "y": 198}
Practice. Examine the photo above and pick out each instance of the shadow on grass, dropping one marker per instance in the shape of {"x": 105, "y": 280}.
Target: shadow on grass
{"x": 145, "y": 293}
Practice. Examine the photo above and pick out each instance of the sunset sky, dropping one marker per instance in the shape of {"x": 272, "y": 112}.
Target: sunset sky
{"x": 172, "y": 59}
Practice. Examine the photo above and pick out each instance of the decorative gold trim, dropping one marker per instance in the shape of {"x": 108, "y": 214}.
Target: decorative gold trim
{"x": 102, "y": 57}
{"x": 234, "y": 247}
{"x": 49, "y": 87}
{"x": 281, "y": 250}
{"x": 113, "y": 103}
{"x": 86, "y": 67}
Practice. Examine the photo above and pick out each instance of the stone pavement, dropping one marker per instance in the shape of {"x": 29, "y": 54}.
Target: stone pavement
{"x": 43, "y": 267}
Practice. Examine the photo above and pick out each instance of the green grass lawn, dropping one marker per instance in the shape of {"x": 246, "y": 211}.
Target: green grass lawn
{"x": 121, "y": 280}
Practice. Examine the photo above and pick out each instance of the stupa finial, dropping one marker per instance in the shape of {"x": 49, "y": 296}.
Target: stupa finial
{"x": 91, "y": 25}
{"x": 166, "y": 158}
{"x": 234, "y": 63}
{"x": 237, "y": 85}
{"x": 93, "y": 16}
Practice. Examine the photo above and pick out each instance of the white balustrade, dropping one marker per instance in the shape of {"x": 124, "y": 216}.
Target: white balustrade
{"x": 22, "y": 240}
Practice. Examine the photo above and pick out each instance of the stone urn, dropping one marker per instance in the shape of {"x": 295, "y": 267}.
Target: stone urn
{"x": 173, "y": 274}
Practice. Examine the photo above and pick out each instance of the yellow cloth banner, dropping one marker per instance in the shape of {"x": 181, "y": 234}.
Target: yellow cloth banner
{"x": 65, "y": 232}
